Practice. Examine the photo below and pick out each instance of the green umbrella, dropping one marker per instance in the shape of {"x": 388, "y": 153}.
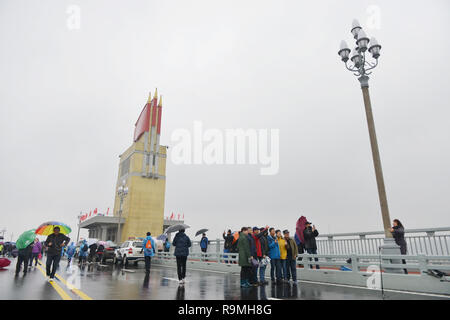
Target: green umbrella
{"x": 25, "y": 239}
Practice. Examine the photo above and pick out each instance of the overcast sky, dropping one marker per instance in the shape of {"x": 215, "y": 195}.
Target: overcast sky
{"x": 69, "y": 99}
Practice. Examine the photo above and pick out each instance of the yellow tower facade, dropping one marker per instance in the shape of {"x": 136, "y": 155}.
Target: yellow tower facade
{"x": 142, "y": 169}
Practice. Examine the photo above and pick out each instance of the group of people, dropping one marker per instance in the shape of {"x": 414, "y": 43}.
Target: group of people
{"x": 53, "y": 246}
{"x": 259, "y": 247}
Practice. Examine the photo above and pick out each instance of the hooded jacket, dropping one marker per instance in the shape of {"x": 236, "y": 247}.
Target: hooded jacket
{"x": 182, "y": 243}
{"x": 148, "y": 252}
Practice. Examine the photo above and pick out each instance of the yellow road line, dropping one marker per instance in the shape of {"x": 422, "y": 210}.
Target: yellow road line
{"x": 80, "y": 293}
{"x": 55, "y": 286}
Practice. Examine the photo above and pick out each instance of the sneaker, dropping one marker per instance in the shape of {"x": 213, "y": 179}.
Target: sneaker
{"x": 51, "y": 279}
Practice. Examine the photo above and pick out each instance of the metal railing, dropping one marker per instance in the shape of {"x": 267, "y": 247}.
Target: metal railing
{"x": 353, "y": 262}
{"x": 428, "y": 241}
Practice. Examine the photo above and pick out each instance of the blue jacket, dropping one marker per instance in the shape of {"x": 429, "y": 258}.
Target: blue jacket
{"x": 204, "y": 243}
{"x": 148, "y": 252}
{"x": 297, "y": 240}
{"x": 83, "y": 253}
{"x": 71, "y": 250}
{"x": 181, "y": 242}
{"x": 274, "y": 249}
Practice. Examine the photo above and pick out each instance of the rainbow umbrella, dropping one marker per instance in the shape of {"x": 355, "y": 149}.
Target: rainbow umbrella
{"x": 46, "y": 228}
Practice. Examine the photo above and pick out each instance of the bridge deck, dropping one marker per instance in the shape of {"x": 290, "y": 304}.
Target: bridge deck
{"x": 111, "y": 282}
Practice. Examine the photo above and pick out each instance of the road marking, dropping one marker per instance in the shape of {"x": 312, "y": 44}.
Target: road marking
{"x": 55, "y": 286}
{"x": 386, "y": 290}
{"x": 79, "y": 293}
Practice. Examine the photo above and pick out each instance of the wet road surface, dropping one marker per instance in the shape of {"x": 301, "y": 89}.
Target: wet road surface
{"x": 113, "y": 282}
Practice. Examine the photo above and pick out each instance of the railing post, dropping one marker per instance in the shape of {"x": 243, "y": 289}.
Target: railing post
{"x": 422, "y": 259}
{"x": 355, "y": 261}
{"x": 218, "y": 250}
{"x": 330, "y": 247}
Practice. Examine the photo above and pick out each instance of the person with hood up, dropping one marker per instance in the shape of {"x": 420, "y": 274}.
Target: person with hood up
{"x": 149, "y": 247}
{"x": 274, "y": 255}
{"x": 82, "y": 255}
{"x": 35, "y": 252}
{"x": 398, "y": 232}
{"x": 243, "y": 247}
{"x": 70, "y": 252}
{"x": 182, "y": 243}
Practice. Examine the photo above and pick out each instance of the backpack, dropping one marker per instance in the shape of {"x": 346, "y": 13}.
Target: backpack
{"x": 148, "y": 244}
{"x": 84, "y": 248}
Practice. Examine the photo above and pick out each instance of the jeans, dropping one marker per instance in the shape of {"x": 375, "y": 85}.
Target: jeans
{"x": 283, "y": 269}
{"x": 148, "y": 262}
{"x": 224, "y": 256}
{"x": 181, "y": 267}
{"x": 313, "y": 251}
{"x": 52, "y": 260}
{"x": 262, "y": 272}
{"x": 275, "y": 268}
{"x": 35, "y": 257}
{"x": 291, "y": 268}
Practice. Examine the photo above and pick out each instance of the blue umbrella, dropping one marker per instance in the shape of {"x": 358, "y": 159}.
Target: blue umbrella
{"x": 162, "y": 237}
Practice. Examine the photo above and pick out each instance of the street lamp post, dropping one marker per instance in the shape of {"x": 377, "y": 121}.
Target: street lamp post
{"x": 361, "y": 67}
{"x": 122, "y": 192}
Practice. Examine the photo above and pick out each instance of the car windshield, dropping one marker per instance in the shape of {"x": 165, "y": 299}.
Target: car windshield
{"x": 137, "y": 244}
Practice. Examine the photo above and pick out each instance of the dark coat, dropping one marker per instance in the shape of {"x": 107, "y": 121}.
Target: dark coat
{"x": 56, "y": 243}
{"x": 264, "y": 245}
{"x": 399, "y": 236}
{"x": 26, "y": 252}
{"x": 310, "y": 238}
{"x": 228, "y": 241}
{"x": 252, "y": 245}
{"x": 182, "y": 243}
{"x": 244, "y": 250}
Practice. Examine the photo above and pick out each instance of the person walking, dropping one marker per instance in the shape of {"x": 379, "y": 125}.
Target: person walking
{"x": 82, "y": 255}
{"x": 149, "y": 247}
{"x": 310, "y": 233}
{"x": 243, "y": 247}
{"x": 167, "y": 245}
{"x": 100, "y": 252}
{"x": 283, "y": 255}
{"x": 35, "y": 252}
{"x": 71, "y": 249}
{"x": 54, "y": 244}
{"x": 398, "y": 232}
{"x": 274, "y": 255}
{"x": 92, "y": 252}
{"x": 204, "y": 245}
{"x": 182, "y": 243}
{"x": 291, "y": 258}
{"x": 22, "y": 257}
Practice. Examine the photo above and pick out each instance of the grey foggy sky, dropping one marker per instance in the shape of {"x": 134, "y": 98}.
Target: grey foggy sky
{"x": 69, "y": 100}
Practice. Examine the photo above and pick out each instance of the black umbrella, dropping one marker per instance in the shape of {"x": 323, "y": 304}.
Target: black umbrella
{"x": 176, "y": 228}
{"x": 200, "y": 231}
